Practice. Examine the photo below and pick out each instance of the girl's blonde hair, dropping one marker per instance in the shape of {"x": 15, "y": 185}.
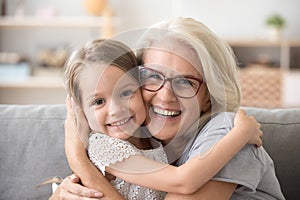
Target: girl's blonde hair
{"x": 212, "y": 57}
{"x": 102, "y": 52}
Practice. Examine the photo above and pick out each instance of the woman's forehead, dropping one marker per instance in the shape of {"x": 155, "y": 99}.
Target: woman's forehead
{"x": 170, "y": 62}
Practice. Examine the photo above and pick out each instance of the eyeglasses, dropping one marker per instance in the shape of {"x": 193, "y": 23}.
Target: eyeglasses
{"x": 182, "y": 86}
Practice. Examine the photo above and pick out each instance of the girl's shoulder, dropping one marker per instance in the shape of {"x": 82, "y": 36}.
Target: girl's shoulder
{"x": 104, "y": 150}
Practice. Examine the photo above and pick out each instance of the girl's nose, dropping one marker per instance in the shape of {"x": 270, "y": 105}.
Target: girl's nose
{"x": 116, "y": 107}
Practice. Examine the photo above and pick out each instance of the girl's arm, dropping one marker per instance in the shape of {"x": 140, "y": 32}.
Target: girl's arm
{"x": 78, "y": 160}
{"x": 216, "y": 190}
{"x": 184, "y": 179}
{"x": 190, "y": 176}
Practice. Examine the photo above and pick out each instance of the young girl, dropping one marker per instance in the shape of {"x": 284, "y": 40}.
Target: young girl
{"x": 100, "y": 79}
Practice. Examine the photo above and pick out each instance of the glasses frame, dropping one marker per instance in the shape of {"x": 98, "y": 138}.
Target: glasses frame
{"x": 200, "y": 81}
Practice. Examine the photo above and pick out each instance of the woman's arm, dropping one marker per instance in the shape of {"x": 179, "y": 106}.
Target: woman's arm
{"x": 190, "y": 176}
{"x": 78, "y": 160}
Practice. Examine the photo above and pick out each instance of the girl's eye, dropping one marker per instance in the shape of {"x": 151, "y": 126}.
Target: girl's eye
{"x": 126, "y": 93}
{"x": 99, "y": 102}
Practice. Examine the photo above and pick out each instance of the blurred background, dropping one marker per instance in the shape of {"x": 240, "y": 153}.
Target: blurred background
{"x": 37, "y": 35}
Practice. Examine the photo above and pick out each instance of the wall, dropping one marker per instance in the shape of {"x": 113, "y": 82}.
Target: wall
{"x": 228, "y": 19}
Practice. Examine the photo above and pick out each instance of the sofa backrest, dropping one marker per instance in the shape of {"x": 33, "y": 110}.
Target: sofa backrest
{"x": 31, "y": 150}
{"x": 281, "y": 139}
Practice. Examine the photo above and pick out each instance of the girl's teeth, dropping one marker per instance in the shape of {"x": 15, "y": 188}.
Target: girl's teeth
{"x": 119, "y": 123}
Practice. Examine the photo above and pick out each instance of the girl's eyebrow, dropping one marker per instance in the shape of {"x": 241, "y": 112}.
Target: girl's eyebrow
{"x": 91, "y": 97}
{"x": 97, "y": 94}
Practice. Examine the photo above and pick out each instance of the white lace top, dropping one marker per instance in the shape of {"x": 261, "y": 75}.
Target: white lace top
{"x": 104, "y": 151}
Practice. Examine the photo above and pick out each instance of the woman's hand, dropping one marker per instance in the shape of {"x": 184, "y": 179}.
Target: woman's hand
{"x": 70, "y": 189}
{"x": 249, "y": 126}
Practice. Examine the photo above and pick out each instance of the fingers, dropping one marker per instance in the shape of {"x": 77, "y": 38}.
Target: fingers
{"x": 76, "y": 122}
{"x": 74, "y": 178}
{"x": 71, "y": 189}
{"x": 81, "y": 123}
{"x": 259, "y": 143}
{"x": 241, "y": 112}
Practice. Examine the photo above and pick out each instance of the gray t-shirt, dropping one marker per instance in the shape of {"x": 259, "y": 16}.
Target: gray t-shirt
{"x": 252, "y": 168}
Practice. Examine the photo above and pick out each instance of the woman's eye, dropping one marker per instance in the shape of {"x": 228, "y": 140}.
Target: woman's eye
{"x": 99, "y": 102}
{"x": 183, "y": 81}
{"x": 126, "y": 93}
{"x": 155, "y": 76}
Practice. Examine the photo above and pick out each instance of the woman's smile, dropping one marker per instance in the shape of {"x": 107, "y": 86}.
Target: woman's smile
{"x": 165, "y": 112}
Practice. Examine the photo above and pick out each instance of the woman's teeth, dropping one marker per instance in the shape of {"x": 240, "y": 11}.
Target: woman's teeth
{"x": 119, "y": 123}
{"x": 165, "y": 112}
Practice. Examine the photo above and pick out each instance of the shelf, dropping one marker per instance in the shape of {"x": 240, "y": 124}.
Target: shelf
{"x": 41, "y": 79}
{"x": 56, "y": 22}
{"x": 263, "y": 43}
{"x": 283, "y": 53}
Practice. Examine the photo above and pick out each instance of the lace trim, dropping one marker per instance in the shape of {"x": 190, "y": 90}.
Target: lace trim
{"x": 104, "y": 150}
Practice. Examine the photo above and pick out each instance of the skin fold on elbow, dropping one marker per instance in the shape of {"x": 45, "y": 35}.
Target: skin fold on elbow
{"x": 183, "y": 185}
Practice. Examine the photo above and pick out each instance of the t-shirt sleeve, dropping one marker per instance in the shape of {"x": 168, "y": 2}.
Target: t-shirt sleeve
{"x": 104, "y": 150}
{"x": 245, "y": 169}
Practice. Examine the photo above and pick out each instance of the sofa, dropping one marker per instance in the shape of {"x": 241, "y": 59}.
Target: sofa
{"x": 32, "y": 148}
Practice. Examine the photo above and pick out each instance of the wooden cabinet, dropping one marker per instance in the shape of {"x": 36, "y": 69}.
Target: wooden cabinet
{"x": 270, "y": 72}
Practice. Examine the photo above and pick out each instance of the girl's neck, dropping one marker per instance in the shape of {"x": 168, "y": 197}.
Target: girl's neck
{"x": 139, "y": 140}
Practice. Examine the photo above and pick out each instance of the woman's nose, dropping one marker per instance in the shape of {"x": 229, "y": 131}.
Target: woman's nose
{"x": 166, "y": 93}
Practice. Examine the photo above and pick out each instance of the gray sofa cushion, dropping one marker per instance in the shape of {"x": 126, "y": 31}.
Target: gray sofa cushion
{"x": 31, "y": 150}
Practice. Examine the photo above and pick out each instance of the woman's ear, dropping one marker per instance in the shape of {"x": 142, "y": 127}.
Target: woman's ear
{"x": 205, "y": 99}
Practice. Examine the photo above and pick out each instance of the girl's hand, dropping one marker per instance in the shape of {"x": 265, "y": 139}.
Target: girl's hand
{"x": 76, "y": 129}
{"x": 71, "y": 189}
{"x": 249, "y": 126}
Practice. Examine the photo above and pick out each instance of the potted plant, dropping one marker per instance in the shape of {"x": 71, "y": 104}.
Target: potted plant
{"x": 276, "y": 23}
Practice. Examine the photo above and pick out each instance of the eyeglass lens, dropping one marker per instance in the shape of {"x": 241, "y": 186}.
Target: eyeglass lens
{"x": 182, "y": 86}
